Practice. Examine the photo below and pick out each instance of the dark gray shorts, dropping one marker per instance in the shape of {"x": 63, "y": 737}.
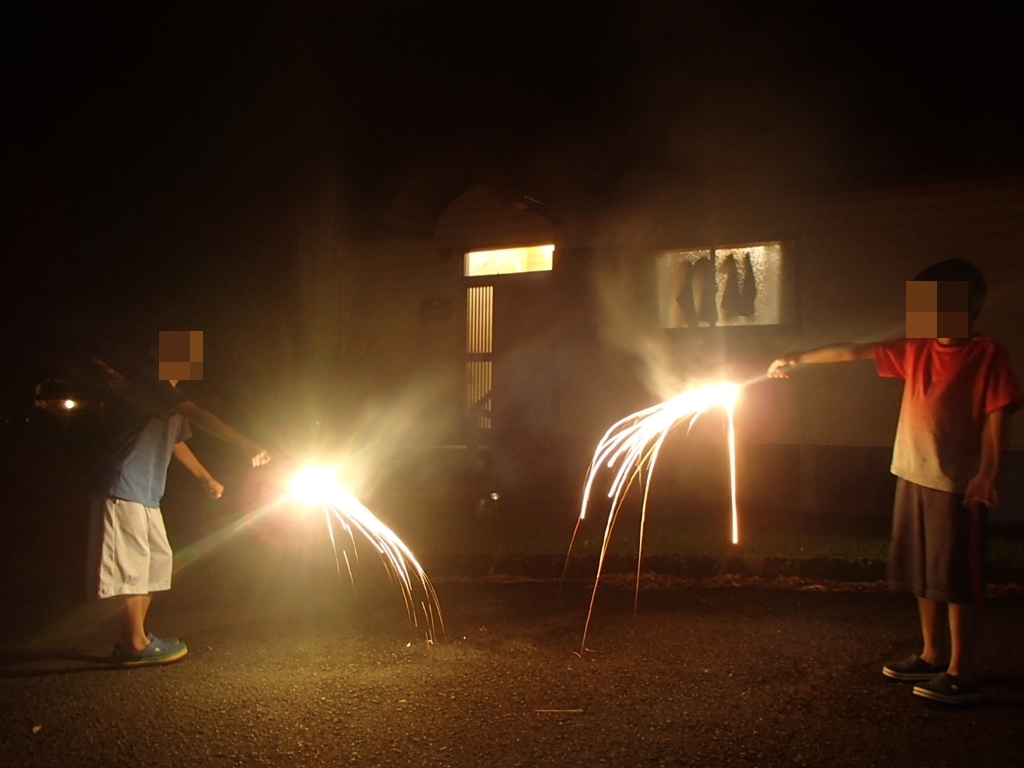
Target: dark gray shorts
{"x": 939, "y": 548}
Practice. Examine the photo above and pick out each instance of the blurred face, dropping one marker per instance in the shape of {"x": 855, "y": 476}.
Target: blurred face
{"x": 938, "y": 309}
{"x": 180, "y": 354}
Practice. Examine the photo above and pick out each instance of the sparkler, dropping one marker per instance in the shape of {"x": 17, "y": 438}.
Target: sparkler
{"x": 630, "y": 448}
{"x": 318, "y": 486}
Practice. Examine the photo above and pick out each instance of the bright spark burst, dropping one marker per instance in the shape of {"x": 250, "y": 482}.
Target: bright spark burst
{"x": 318, "y": 486}
{"x": 314, "y": 485}
{"x": 630, "y": 449}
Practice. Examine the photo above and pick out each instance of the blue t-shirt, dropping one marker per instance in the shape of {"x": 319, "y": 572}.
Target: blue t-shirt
{"x": 143, "y": 430}
{"x": 142, "y": 476}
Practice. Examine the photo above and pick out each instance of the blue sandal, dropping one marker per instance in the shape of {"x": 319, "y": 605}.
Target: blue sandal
{"x": 161, "y": 650}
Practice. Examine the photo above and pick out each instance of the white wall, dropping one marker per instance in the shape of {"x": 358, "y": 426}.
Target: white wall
{"x": 854, "y": 255}
{"x": 857, "y": 252}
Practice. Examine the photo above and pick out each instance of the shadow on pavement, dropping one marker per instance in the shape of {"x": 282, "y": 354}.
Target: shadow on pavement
{"x": 41, "y": 663}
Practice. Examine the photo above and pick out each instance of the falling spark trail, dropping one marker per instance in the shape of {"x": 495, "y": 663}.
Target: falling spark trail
{"x": 402, "y": 567}
{"x": 334, "y": 544}
{"x": 729, "y": 409}
{"x": 630, "y": 448}
{"x": 317, "y": 486}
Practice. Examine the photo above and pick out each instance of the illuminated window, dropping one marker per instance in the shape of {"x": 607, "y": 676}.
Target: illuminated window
{"x": 728, "y": 286}
{"x": 510, "y": 261}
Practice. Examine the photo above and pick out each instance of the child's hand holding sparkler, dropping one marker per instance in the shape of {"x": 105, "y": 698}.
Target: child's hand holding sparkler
{"x": 261, "y": 457}
{"x": 780, "y": 367}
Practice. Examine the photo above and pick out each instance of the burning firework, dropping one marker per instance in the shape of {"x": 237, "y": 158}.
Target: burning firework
{"x": 630, "y": 449}
{"x": 318, "y": 486}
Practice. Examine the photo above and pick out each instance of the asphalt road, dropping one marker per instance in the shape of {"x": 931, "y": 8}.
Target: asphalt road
{"x": 289, "y": 667}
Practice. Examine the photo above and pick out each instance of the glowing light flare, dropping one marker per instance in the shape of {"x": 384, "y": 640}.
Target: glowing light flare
{"x": 315, "y": 485}
{"x": 319, "y": 486}
{"x": 630, "y": 450}
{"x": 69, "y": 404}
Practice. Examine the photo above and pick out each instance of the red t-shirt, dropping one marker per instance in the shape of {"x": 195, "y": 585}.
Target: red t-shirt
{"x": 948, "y": 393}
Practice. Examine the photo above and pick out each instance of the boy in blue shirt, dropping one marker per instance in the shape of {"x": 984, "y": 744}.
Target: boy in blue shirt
{"x": 133, "y": 558}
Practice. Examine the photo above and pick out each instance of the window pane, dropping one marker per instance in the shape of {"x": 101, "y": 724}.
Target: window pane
{"x": 508, "y": 261}
{"x": 736, "y": 286}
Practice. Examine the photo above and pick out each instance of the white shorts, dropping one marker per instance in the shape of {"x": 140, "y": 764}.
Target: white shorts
{"x": 134, "y": 556}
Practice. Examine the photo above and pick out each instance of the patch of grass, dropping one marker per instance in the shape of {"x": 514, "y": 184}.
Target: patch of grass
{"x": 845, "y": 546}
{"x": 444, "y": 530}
{"x": 504, "y": 537}
{"x": 1008, "y": 547}
{"x": 754, "y": 544}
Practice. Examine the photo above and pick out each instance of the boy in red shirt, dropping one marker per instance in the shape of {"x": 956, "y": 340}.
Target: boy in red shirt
{"x": 959, "y": 390}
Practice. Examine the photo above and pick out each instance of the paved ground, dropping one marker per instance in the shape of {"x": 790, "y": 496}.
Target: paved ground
{"x": 289, "y": 668}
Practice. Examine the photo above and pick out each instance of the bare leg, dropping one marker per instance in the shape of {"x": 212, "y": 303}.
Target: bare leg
{"x": 963, "y": 629}
{"x": 133, "y": 627}
{"x": 930, "y": 612}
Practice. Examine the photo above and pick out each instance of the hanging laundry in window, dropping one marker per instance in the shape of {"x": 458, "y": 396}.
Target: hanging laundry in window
{"x": 685, "y": 297}
{"x": 748, "y": 288}
{"x": 731, "y": 293}
{"x": 706, "y": 290}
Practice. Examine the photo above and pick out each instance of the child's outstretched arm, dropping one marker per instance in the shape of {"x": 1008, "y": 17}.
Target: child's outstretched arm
{"x": 833, "y": 353}
{"x": 188, "y": 459}
{"x": 981, "y": 490}
{"x": 210, "y": 424}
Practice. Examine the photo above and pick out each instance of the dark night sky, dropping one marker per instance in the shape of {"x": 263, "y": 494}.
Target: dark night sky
{"x": 176, "y": 149}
